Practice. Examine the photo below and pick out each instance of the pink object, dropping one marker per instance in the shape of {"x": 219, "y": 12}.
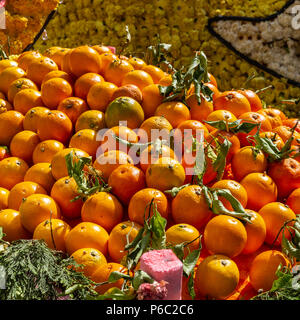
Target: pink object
{"x": 164, "y": 265}
{"x": 152, "y": 291}
{"x": 112, "y": 49}
{"x": 2, "y": 3}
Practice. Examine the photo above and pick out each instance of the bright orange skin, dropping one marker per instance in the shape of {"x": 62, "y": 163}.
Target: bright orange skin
{"x": 139, "y": 78}
{"x": 5, "y": 106}
{"x": 33, "y": 117}
{"x": 273, "y": 116}
{"x": 274, "y": 137}
{"x": 10, "y": 222}
{"x": 214, "y": 89}
{"x": 116, "y": 71}
{"x": 19, "y": 85}
{"x": 232, "y": 101}
{"x": 293, "y": 201}
{"x": 261, "y": 189}
{"x": 175, "y": 112}
{"x": 38, "y": 69}
{"x": 84, "y": 83}
{"x": 139, "y": 205}
{"x": 156, "y": 123}
{"x": 4, "y": 194}
{"x": 63, "y": 191}
{"x": 8, "y": 76}
{"x": 12, "y": 171}
{"x": 100, "y": 95}
{"x": 41, "y": 174}
{"x": 56, "y": 54}
{"x": 53, "y": 233}
{"x": 244, "y": 162}
{"x": 263, "y": 269}
{"x": 59, "y": 74}
{"x": 55, "y": 126}
{"x": 7, "y": 64}
{"x": 23, "y": 190}
{"x": 151, "y": 99}
{"x": 125, "y": 181}
{"x": 128, "y": 90}
{"x": 11, "y": 123}
{"x": 253, "y": 98}
{"x": 65, "y": 62}
{"x": 292, "y": 123}
{"x": 137, "y": 63}
{"x": 35, "y": 209}
{"x": 106, "y": 59}
{"x": 118, "y": 239}
{"x": 155, "y": 72}
{"x": 87, "y": 235}
{"x": 27, "y": 99}
{"x": 285, "y": 133}
{"x": 101, "y": 49}
{"x": 188, "y": 201}
{"x": 200, "y": 111}
{"x": 73, "y": 107}
{"x": 27, "y": 57}
{"x": 286, "y": 174}
{"x": 24, "y": 138}
{"x": 91, "y": 119}
{"x": 225, "y": 235}
{"x": 218, "y": 115}
{"x": 279, "y": 113}
{"x": 46, "y": 150}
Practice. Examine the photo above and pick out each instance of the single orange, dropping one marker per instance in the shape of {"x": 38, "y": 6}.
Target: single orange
{"x": 218, "y": 115}
{"x": 91, "y": 119}
{"x": 116, "y": 71}
{"x": 293, "y": 201}
{"x": 156, "y": 73}
{"x": 139, "y": 78}
{"x": 200, "y": 111}
{"x": 28, "y": 57}
{"x": 38, "y": 69}
{"x": 4, "y": 194}
{"x": 27, "y": 99}
{"x": 19, "y": 85}
{"x": 253, "y": 98}
{"x": 137, "y": 63}
{"x": 272, "y": 116}
{"x": 11, "y": 123}
{"x": 33, "y": 117}
{"x": 6, "y": 63}
{"x": 84, "y": 83}
{"x": 128, "y": 90}
{"x": 151, "y": 99}
{"x": 154, "y": 127}
{"x": 8, "y": 76}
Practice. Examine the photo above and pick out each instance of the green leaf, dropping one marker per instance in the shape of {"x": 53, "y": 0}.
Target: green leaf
{"x": 220, "y": 162}
{"x": 115, "y": 294}
{"x": 140, "y": 277}
{"x": 116, "y": 275}
{"x": 190, "y": 261}
{"x": 158, "y": 226}
{"x": 191, "y": 288}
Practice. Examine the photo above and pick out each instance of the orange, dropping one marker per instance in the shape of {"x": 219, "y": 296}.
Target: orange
{"x": 286, "y": 132}
{"x": 8, "y": 76}
{"x": 23, "y": 144}
{"x": 261, "y": 189}
{"x": 200, "y": 111}
{"x": 183, "y": 233}
{"x": 35, "y": 209}
{"x": 274, "y": 137}
{"x": 38, "y": 69}
{"x": 6, "y": 63}
{"x": 55, "y": 125}
{"x": 19, "y": 85}
{"x": 23, "y": 190}
{"x": 124, "y": 109}
{"x": 73, "y": 107}
{"x": 90, "y": 259}
{"x": 27, "y": 99}
{"x": 11, "y": 123}
{"x": 53, "y": 232}
{"x": 128, "y": 90}
{"x": 125, "y": 181}
{"x": 101, "y": 49}
{"x": 41, "y": 174}
{"x": 102, "y": 274}
{"x": 91, "y": 58}
{"x": 166, "y": 81}
{"x": 27, "y": 57}
{"x": 58, "y": 163}
{"x": 116, "y": 71}
{"x": 272, "y": 116}
{"x": 91, "y": 119}
{"x": 225, "y": 235}
{"x": 246, "y": 161}
{"x": 165, "y": 174}
{"x": 156, "y": 73}
{"x": 121, "y": 235}
{"x": 214, "y": 89}
{"x": 293, "y": 201}
{"x": 235, "y": 188}
{"x": 253, "y": 98}
{"x": 218, "y": 115}
{"x": 10, "y": 222}
{"x": 12, "y": 171}
{"x": 151, "y": 99}
{"x": 65, "y": 62}
{"x": 188, "y": 201}
{"x": 106, "y": 59}
{"x": 139, "y": 205}
{"x": 139, "y": 78}
{"x": 100, "y": 95}
{"x": 54, "y": 91}
{"x": 5, "y": 106}
{"x": 279, "y": 113}
{"x": 84, "y": 83}
{"x": 256, "y": 232}
{"x": 4, "y": 194}
{"x": 216, "y": 277}
{"x": 64, "y": 191}
{"x": 294, "y": 122}
{"x": 46, "y": 150}
{"x": 263, "y": 269}
{"x": 212, "y": 80}
{"x": 56, "y": 54}
{"x": 275, "y": 214}
{"x": 137, "y": 63}
{"x": 175, "y": 112}
{"x": 59, "y": 74}
{"x": 87, "y": 235}
{"x": 160, "y": 126}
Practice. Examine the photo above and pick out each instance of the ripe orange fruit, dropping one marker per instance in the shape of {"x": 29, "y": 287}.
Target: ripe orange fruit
{"x": 11, "y": 123}
{"x": 33, "y": 117}
{"x": 8, "y": 76}
{"x": 159, "y": 125}
{"x": 38, "y": 69}
{"x": 5, "y": 106}
{"x": 156, "y": 73}
{"x": 286, "y": 132}
{"x": 124, "y": 109}
{"x": 273, "y": 117}
{"x": 275, "y": 214}
{"x": 23, "y": 190}
{"x": 35, "y": 209}
{"x": 46, "y": 150}
{"x": 261, "y": 189}
{"x": 121, "y": 235}
{"x": 91, "y": 119}
{"x": 100, "y": 95}
{"x": 175, "y": 112}
{"x": 214, "y": 89}
{"x": 151, "y": 99}
{"x": 59, "y": 74}
{"x": 137, "y": 63}
{"x": 19, "y": 85}
{"x": 106, "y": 59}
{"x": 139, "y": 78}
{"x": 294, "y": 122}
{"x": 6, "y": 63}
{"x": 253, "y": 98}
{"x": 65, "y": 62}
{"x": 56, "y": 54}
{"x": 200, "y": 111}
{"x": 274, "y": 137}
{"x": 58, "y": 163}
{"x": 293, "y": 201}
{"x": 55, "y": 125}
{"x": 23, "y": 144}
{"x": 165, "y": 174}
{"x": 64, "y": 191}
{"x": 232, "y": 101}
{"x": 225, "y": 235}
{"x": 188, "y": 201}
{"x": 263, "y": 269}
{"x": 116, "y": 71}
{"x": 12, "y": 171}
{"x": 53, "y": 232}
{"x": 84, "y": 83}
{"x": 41, "y": 174}
{"x": 139, "y": 205}
{"x": 125, "y": 181}
{"x": 256, "y": 232}
{"x": 90, "y": 259}
{"x": 4, "y": 194}
{"x": 87, "y": 235}
{"x": 91, "y": 58}
{"x": 10, "y": 222}
{"x": 216, "y": 277}
{"x": 247, "y": 160}
{"x": 101, "y": 49}
{"x": 27, "y": 57}
{"x": 218, "y": 115}
{"x": 128, "y": 90}
{"x": 27, "y": 99}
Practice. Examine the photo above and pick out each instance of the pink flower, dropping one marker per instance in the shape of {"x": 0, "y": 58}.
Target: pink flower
{"x": 152, "y": 291}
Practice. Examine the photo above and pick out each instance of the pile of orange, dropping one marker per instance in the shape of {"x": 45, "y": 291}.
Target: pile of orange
{"x": 57, "y": 103}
